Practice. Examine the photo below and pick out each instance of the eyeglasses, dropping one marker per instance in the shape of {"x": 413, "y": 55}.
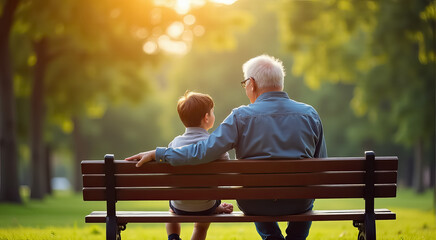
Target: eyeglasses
{"x": 244, "y": 83}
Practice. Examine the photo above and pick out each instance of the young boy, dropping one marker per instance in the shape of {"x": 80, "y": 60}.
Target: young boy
{"x": 196, "y": 112}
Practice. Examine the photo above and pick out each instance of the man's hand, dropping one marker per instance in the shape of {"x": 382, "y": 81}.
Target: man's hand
{"x": 142, "y": 157}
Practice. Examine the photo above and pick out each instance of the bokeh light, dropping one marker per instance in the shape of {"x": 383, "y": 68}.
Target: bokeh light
{"x": 150, "y": 47}
{"x": 176, "y": 29}
{"x": 177, "y": 38}
{"x": 189, "y": 19}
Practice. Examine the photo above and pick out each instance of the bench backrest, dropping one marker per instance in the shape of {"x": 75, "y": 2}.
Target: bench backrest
{"x": 338, "y": 177}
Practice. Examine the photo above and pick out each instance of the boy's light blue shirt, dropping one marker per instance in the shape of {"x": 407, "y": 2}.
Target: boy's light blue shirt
{"x": 273, "y": 127}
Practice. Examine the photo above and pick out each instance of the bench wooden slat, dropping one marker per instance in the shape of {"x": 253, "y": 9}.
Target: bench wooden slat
{"x": 244, "y": 166}
{"x": 284, "y": 179}
{"x": 323, "y": 191}
{"x": 163, "y": 217}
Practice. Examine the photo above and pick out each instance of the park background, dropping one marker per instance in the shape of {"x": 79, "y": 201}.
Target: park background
{"x": 79, "y": 79}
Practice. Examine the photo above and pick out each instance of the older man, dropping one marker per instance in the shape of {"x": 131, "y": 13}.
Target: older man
{"x": 272, "y": 127}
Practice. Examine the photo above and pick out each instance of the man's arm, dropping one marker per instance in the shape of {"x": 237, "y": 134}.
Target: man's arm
{"x": 143, "y": 157}
{"x": 224, "y": 138}
{"x": 321, "y": 148}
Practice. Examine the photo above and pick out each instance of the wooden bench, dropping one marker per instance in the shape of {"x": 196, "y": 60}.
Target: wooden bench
{"x": 366, "y": 177}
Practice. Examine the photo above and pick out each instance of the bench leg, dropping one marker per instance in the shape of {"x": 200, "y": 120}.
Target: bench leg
{"x": 113, "y": 229}
{"x": 370, "y": 227}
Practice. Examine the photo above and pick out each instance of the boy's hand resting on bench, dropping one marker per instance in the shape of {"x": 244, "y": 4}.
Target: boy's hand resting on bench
{"x": 142, "y": 157}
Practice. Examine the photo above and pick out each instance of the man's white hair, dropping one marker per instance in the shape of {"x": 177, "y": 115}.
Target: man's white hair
{"x": 266, "y": 70}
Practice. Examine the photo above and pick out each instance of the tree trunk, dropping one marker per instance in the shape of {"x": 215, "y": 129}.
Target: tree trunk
{"x": 418, "y": 183}
{"x": 79, "y": 154}
{"x": 408, "y": 171}
{"x": 39, "y": 174}
{"x": 9, "y": 181}
{"x": 434, "y": 184}
{"x": 47, "y": 163}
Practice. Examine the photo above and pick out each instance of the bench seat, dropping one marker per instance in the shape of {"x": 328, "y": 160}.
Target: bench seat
{"x": 124, "y": 217}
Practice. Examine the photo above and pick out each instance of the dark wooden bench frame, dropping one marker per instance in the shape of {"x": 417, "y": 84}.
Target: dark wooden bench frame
{"x": 366, "y": 177}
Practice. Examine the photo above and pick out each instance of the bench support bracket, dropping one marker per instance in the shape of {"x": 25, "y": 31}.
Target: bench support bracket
{"x": 121, "y": 227}
{"x": 361, "y": 227}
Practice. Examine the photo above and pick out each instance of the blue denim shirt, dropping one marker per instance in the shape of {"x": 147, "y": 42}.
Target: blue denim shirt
{"x": 273, "y": 127}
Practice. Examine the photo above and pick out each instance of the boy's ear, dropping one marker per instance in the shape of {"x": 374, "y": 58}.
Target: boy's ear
{"x": 206, "y": 117}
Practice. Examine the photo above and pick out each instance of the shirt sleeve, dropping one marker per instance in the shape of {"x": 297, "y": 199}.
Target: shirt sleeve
{"x": 219, "y": 142}
{"x": 321, "y": 148}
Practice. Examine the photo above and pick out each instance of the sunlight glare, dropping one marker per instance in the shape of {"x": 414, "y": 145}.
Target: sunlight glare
{"x": 177, "y": 38}
{"x": 175, "y": 29}
{"x": 182, "y": 6}
{"x": 150, "y": 47}
{"x": 170, "y": 46}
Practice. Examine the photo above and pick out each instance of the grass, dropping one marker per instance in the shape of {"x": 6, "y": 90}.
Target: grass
{"x": 61, "y": 216}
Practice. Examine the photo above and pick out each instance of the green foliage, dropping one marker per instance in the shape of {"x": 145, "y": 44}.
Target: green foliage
{"x": 89, "y": 62}
{"x": 385, "y": 48}
{"x": 206, "y": 68}
{"x": 97, "y": 66}
{"x": 317, "y": 34}
{"x": 222, "y": 26}
{"x": 96, "y": 49}
{"x": 124, "y": 130}
{"x": 405, "y": 88}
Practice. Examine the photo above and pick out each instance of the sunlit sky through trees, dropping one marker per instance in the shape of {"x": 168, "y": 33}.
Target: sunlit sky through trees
{"x": 178, "y": 37}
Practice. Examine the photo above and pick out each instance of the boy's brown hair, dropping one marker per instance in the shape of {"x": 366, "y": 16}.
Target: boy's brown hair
{"x": 192, "y": 107}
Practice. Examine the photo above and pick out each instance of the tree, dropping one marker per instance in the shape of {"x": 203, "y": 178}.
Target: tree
{"x": 71, "y": 35}
{"x": 385, "y": 48}
{"x": 409, "y": 75}
{"x": 9, "y": 188}
{"x": 39, "y": 173}
{"x": 89, "y": 58}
